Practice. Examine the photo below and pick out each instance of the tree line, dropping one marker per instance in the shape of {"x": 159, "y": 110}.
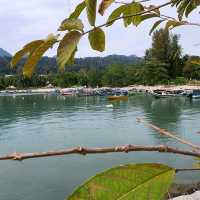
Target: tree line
{"x": 163, "y": 63}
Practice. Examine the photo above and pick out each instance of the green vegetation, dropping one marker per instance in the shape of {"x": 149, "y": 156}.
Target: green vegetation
{"x": 163, "y": 64}
{"x": 133, "y": 181}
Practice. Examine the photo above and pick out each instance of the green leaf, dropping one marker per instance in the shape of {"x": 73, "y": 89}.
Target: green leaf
{"x": 36, "y": 55}
{"x": 97, "y": 39}
{"x": 115, "y": 14}
{"x": 104, "y": 5}
{"x": 185, "y": 7}
{"x": 156, "y": 24}
{"x": 128, "y": 182}
{"x": 132, "y": 9}
{"x": 156, "y": 11}
{"x": 145, "y": 17}
{"x": 78, "y": 11}
{"x": 172, "y": 24}
{"x": 67, "y": 47}
{"x": 26, "y": 50}
{"x": 71, "y": 24}
{"x": 71, "y": 60}
{"x": 91, "y": 6}
{"x": 190, "y": 8}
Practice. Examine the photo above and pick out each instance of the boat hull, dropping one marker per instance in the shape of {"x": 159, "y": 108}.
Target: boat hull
{"x": 112, "y": 98}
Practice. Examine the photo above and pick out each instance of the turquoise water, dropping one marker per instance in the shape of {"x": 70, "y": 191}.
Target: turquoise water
{"x": 41, "y": 123}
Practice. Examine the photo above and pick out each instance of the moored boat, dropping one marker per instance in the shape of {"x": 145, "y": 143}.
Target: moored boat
{"x": 195, "y": 94}
{"x": 111, "y": 98}
{"x": 162, "y": 94}
{"x": 67, "y": 93}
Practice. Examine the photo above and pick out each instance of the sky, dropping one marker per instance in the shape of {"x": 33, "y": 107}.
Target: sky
{"x": 25, "y": 20}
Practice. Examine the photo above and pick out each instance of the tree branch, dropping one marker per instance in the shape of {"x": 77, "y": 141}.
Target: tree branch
{"x": 188, "y": 169}
{"x": 132, "y": 15}
{"x": 169, "y": 134}
{"x": 150, "y": 10}
{"x": 84, "y": 151}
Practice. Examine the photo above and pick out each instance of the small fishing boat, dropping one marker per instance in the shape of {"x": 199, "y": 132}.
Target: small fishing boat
{"x": 162, "y": 94}
{"x": 112, "y": 98}
{"x": 195, "y": 94}
{"x": 67, "y": 93}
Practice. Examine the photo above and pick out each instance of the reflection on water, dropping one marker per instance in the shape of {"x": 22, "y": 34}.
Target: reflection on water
{"x": 40, "y": 123}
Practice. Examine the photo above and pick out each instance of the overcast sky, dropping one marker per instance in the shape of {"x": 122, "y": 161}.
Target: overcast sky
{"x": 26, "y": 20}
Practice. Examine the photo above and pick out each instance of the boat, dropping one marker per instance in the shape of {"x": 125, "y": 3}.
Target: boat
{"x": 195, "y": 94}
{"x": 162, "y": 94}
{"x": 67, "y": 93}
{"x": 115, "y": 97}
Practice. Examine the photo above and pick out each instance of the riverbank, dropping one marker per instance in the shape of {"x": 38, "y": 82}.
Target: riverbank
{"x": 132, "y": 88}
{"x": 170, "y": 88}
{"x": 184, "y": 191}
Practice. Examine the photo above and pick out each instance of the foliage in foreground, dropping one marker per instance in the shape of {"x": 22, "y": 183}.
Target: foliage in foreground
{"x": 128, "y": 182}
{"x": 133, "y": 13}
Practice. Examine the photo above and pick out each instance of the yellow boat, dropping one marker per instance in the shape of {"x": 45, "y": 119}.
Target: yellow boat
{"x": 111, "y": 98}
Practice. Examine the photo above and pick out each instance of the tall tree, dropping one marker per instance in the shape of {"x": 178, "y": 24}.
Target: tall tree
{"x": 166, "y": 49}
{"x": 192, "y": 68}
{"x": 160, "y": 46}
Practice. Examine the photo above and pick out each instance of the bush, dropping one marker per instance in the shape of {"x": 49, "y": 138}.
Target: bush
{"x": 180, "y": 81}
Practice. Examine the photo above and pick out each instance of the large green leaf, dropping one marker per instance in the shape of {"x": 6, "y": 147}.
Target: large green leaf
{"x": 67, "y": 47}
{"x": 78, "y": 10}
{"x": 25, "y": 51}
{"x": 104, "y": 5}
{"x": 132, "y": 9}
{"x": 97, "y": 39}
{"x": 115, "y": 14}
{"x": 71, "y": 24}
{"x": 36, "y": 55}
{"x": 91, "y": 6}
{"x": 133, "y": 181}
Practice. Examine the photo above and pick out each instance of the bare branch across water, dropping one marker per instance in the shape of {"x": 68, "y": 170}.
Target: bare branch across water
{"x": 84, "y": 151}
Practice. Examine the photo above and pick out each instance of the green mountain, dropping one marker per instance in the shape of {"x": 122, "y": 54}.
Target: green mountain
{"x": 4, "y": 53}
{"x": 48, "y": 64}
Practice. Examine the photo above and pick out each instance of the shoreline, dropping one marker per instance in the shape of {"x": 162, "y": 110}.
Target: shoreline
{"x": 131, "y": 88}
{"x": 178, "y": 190}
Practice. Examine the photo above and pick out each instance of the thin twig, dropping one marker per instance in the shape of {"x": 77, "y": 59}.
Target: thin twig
{"x": 169, "y": 134}
{"x": 84, "y": 151}
{"x": 188, "y": 169}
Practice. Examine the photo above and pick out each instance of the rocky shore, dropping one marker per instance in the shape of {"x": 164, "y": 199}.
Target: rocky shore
{"x": 132, "y": 88}
{"x": 172, "y": 88}
{"x": 184, "y": 192}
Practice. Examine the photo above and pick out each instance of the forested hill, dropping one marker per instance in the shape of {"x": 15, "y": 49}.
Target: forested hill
{"x": 103, "y": 62}
{"x": 48, "y": 64}
{"x": 4, "y": 53}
